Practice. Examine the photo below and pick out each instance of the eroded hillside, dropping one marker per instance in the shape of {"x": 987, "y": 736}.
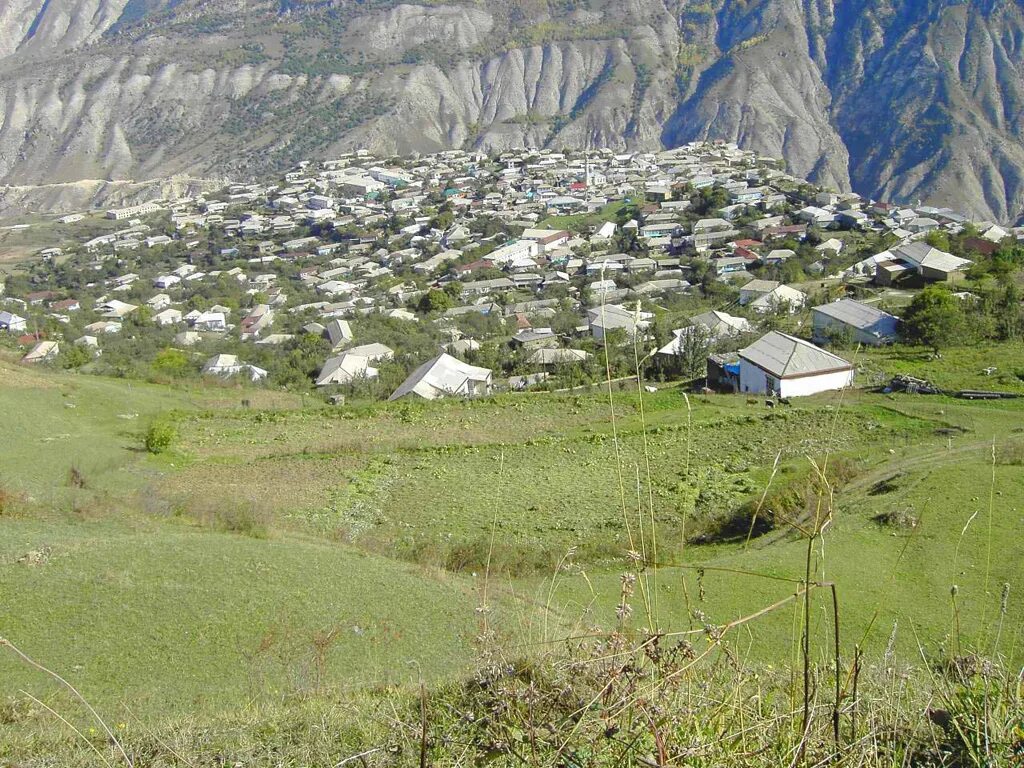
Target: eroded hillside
{"x": 894, "y": 98}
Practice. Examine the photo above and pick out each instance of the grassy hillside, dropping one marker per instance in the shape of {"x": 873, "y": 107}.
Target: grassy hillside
{"x": 279, "y": 551}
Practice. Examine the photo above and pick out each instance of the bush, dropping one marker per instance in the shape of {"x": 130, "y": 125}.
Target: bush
{"x": 160, "y": 436}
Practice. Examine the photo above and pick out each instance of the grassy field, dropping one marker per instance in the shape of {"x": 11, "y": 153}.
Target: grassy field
{"x": 581, "y": 221}
{"x": 281, "y": 549}
{"x": 21, "y": 244}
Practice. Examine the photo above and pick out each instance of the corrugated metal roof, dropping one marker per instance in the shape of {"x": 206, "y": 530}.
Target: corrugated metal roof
{"x": 853, "y": 313}
{"x": 786, "y": 356}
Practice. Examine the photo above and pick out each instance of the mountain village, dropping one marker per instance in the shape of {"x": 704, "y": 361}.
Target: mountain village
{"x": 462, "y": 274}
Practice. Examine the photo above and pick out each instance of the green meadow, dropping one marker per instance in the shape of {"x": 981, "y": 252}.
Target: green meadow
{"x": 281, "y": 548}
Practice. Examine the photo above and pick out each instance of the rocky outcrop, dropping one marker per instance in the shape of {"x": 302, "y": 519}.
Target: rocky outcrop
{"x": 902, "y": 99}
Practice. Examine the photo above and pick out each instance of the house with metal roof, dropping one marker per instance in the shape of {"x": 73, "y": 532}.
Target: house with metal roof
{"x": 346, "y": 368}
{"x": 931, "y": 263}
{"x": 12, "y": 323}
{"x": 865, "y": 324}
{"x": 713, "y": 326}
{"x": 778, "y": 299}
{"x": 445, "y": 376}
{"x": 608, "y": 317}
{"x": 786, "y": 366}
{"x": 557, "y": 357}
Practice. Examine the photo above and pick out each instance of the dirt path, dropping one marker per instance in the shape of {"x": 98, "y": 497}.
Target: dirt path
{"x": 922, "y": 460}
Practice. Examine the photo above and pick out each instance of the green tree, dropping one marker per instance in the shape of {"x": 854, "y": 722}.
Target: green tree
{"x": 691, "y": 350}
{"x": 435, "y": 300}
{"x": 934, "y": 318}
{"x": 74, "y": 356}
{"x": 1008, "y": 313}
{"x": 172, "y": 362}
{"x": 710, "y": 199}
{"x": 938, "y": 239}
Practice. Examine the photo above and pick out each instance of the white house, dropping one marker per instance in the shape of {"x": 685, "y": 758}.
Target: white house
{"x": 786, "y": 366}
{"x": 229, "y": 365}
{"x": 781, "y": 297}
{"x": 755, "y": 289}
{"x": 42, "y": 352}
{"x": 865, "y": 323}
{"x": 169, "y": 316}
{"x": 338, "y": 332}
{"x": 210, "y": 321}
{"x": 187, "y": 338}
{"x": 345, "y": 369}
{"x": 12, "y": 323}
{"x": 717, "y": 325}
{"x": 611, "y": 316}
{"x": 166, "y": 281}
{"x": 373, "y": 352}
{"x": 546, "y": 239}
{"x": 115, "y": 310}
{"x": 445, "y": 376}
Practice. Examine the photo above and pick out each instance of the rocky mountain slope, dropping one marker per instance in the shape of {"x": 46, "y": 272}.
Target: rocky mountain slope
{"x": 903, "y": 99}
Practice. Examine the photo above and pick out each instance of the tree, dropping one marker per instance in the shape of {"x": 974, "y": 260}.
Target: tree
{"x": 691, "y": 352}
{"x": 435, "y": 300}
{"x": 934, "y": 318}
{"x": 74, "y": 356}
{"x": 172, "y": 362}
{"x": 1009, "y": 317}
{"x": 710, "y": 199}
{"x": 938, "y": 239}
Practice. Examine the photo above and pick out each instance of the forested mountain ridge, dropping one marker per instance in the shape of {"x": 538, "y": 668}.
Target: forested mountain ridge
{"x": 899, "y": 99}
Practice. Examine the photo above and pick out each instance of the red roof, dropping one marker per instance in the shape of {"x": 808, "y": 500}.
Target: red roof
{"x": 748, "y": 243}
{"x": 981, "y": 245}
{"x": 31, "y": 338}
{"x": 473, "y": 266}
{"x": 42, "y": 296}
{"x": 791, "y": 229}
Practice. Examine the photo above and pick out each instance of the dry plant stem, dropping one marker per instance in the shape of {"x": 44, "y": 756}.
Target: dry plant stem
{"x": 820, "y": 523}
{"x": 647, "y": 462}
{"x": 764, "y": 495}
{"x": 839, "y": 695}
{"x": 423, "y": 725}
{"x": 856, "y": 680}
{"x": 618, "y": 456}
{"x": 485, "y": 608}
{"x": 78, "y": 733}
{"x": 33, "y": 663}
{"x": 156, "y": 738}
{"x": 359, "y": 757}
{"x": 988, "y": 543}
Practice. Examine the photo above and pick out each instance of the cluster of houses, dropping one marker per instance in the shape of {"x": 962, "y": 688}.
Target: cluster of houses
{"x": 521, "y": 237}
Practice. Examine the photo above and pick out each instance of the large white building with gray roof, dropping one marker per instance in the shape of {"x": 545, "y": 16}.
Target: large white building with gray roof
{"x": 786, "y": 366}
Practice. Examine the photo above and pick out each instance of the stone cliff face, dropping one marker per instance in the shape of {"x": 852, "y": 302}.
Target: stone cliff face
{"x": 902, "y": 99}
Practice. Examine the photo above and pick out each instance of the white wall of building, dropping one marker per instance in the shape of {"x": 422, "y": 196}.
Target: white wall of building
{"x": 755, "y": 381}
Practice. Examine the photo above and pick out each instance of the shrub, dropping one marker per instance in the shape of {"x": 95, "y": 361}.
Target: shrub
{"x": 160, "y": 436}
{"x": 246, "y": 519}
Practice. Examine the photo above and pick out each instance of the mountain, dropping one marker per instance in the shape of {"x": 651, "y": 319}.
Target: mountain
{"x": 905, "y": 100}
